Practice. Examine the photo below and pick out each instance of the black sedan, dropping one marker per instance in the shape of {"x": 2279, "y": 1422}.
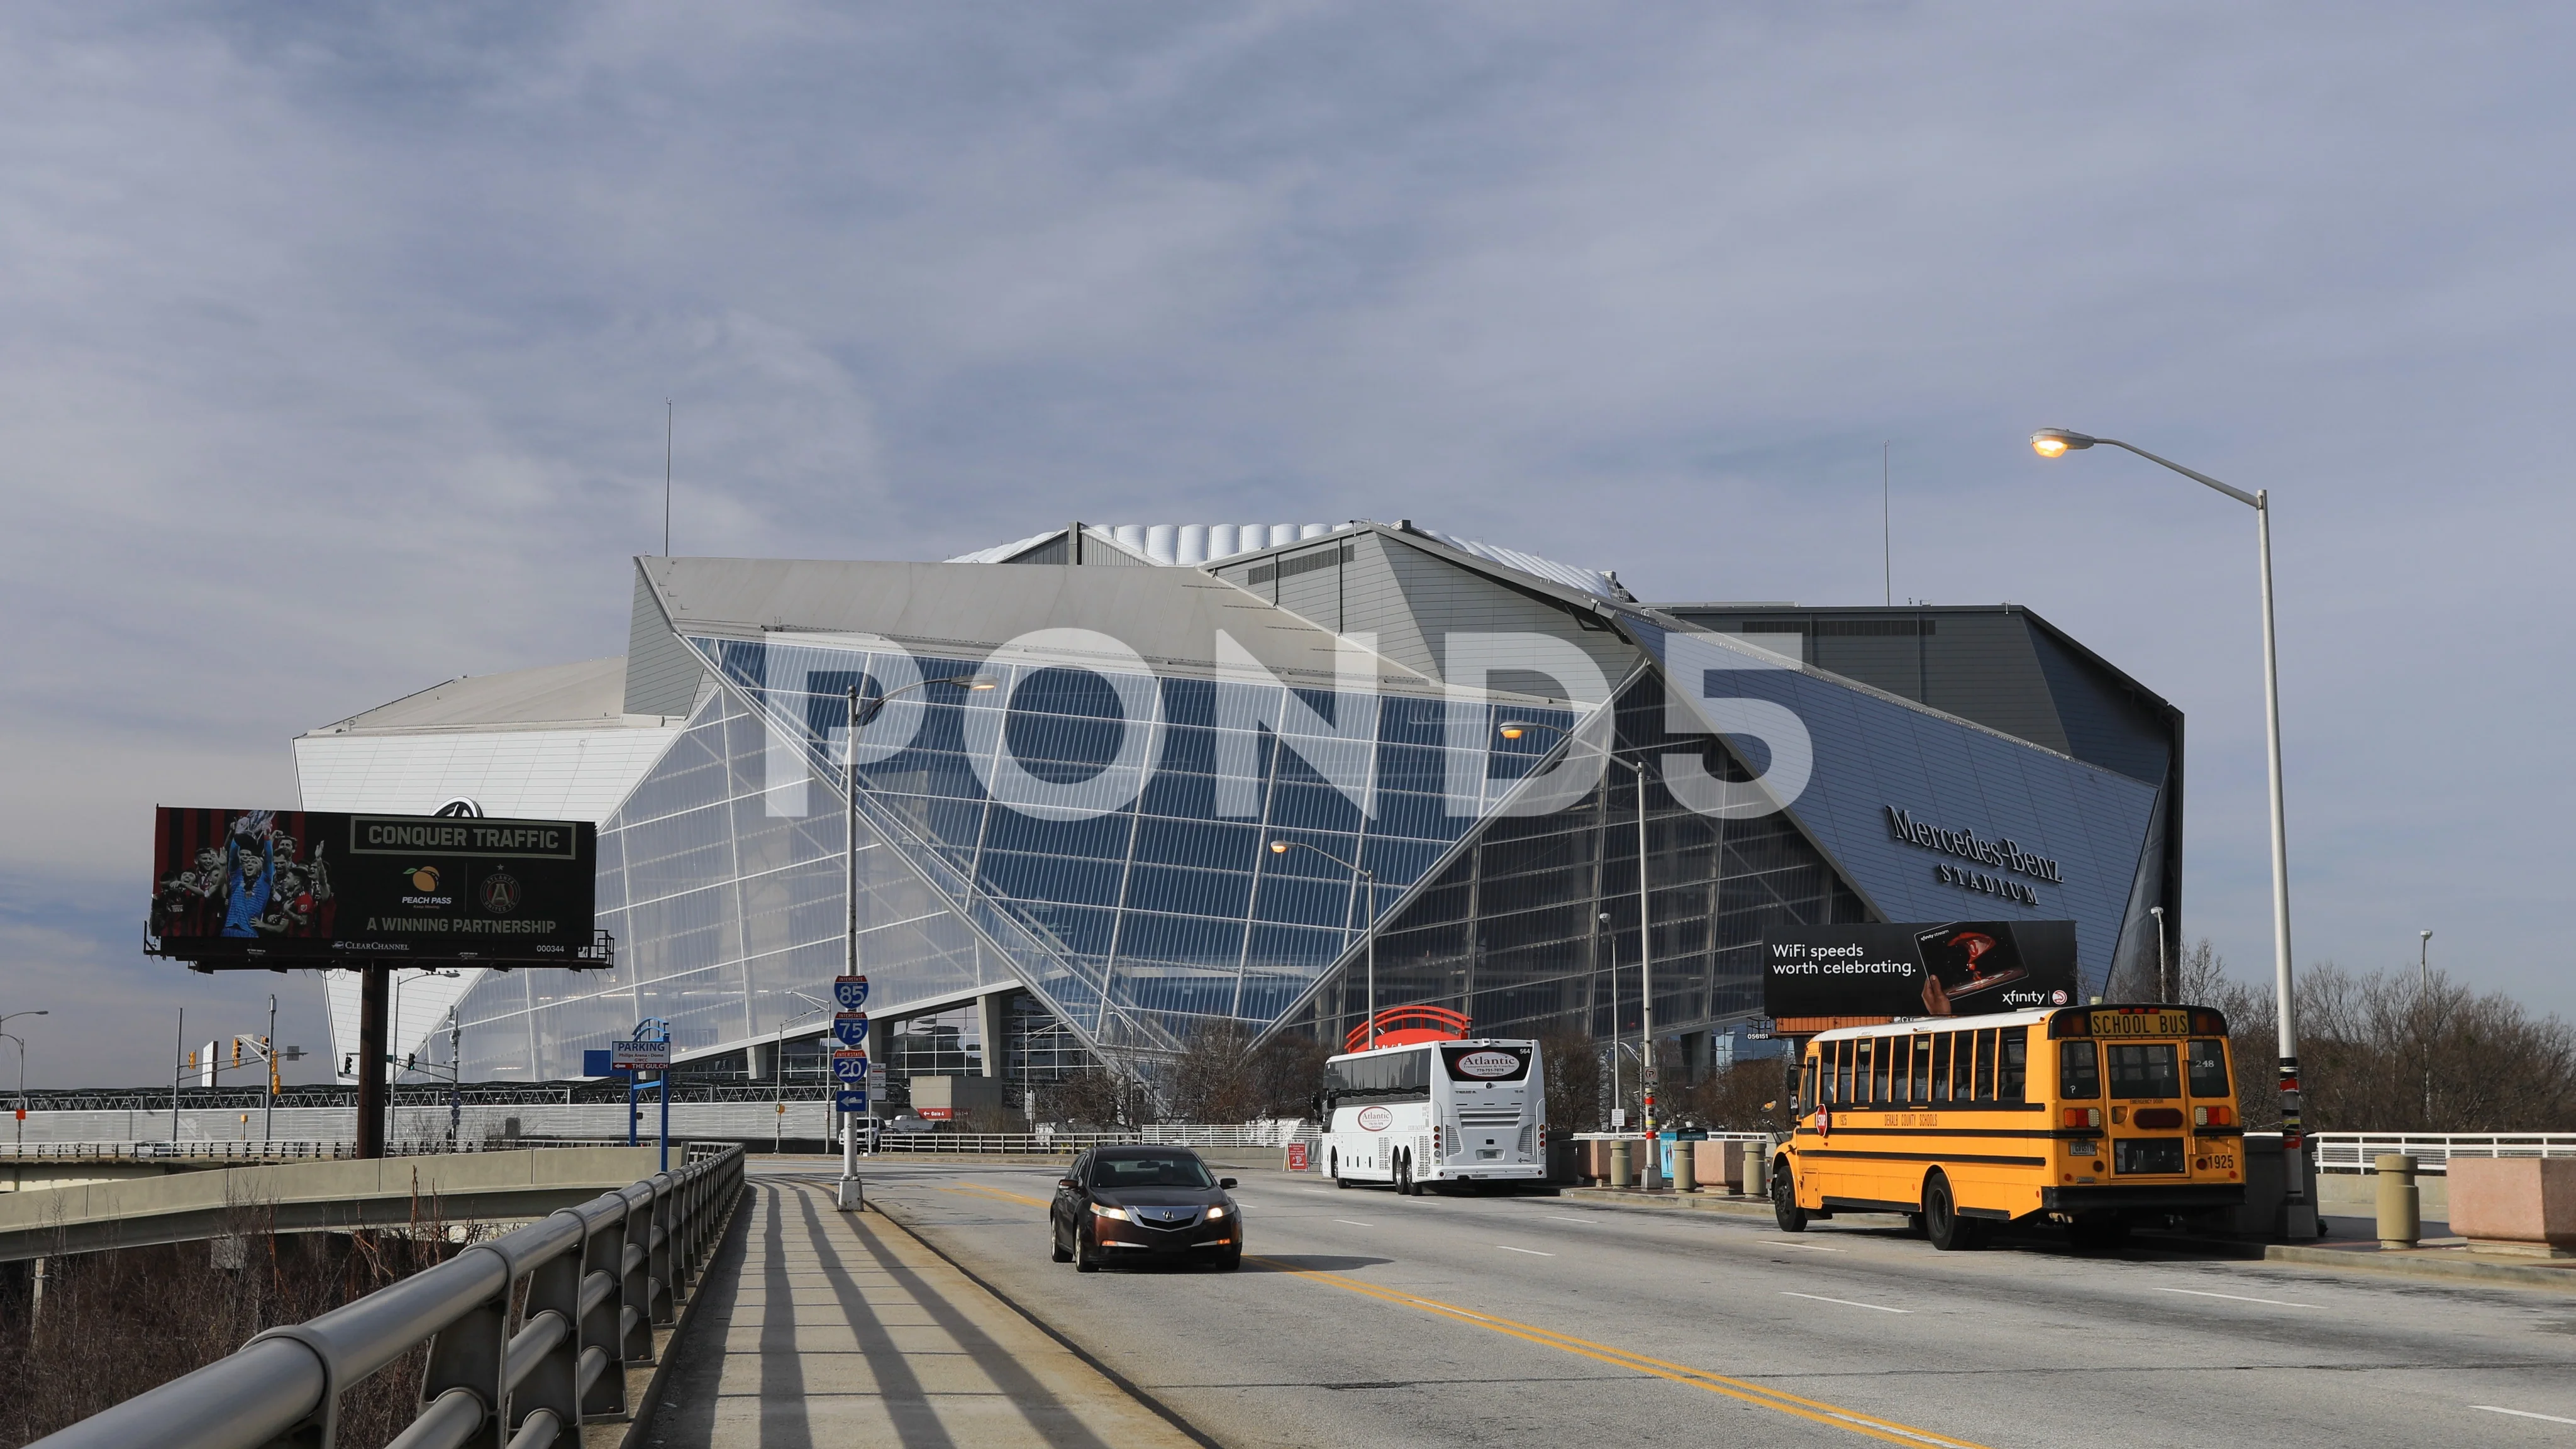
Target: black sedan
{"x": 1144, "y": 1204}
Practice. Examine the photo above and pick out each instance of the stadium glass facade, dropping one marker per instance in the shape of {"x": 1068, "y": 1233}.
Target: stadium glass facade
{"x": 1076, "y": 863}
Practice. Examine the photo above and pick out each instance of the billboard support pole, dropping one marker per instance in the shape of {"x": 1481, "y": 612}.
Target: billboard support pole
{"x": 373, "y": 985}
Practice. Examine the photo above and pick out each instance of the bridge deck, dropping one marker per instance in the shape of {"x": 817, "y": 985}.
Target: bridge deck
{"x": 831, "y": 1328}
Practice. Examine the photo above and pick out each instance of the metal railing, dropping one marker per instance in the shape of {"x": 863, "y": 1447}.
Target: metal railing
{"x": 2433, "y": 1151}
{"x": 1060, "y": 1144}
{"x": 598, "y": 1278}
{"x": 229, "y": 1150}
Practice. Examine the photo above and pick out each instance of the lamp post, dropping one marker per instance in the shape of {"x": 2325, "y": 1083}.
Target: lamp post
{"x": 2423, "y": 990}
{"x": 1369, "y": 878}
{"x": 2165, "y": 989}
{"x": 778, "y": 1063}
{"x": 22, "y": 1069}
{"x": 1514, "y": 729}
{"x": 848, "y": 1196}
{"x": 2057, "y": 443}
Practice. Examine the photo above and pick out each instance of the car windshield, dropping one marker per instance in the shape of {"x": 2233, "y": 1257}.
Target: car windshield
{"x": 1178, "y": 1170}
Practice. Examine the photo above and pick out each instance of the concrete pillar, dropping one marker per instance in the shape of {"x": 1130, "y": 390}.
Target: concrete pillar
{"x": 993, "y": 1020}
{"x": 761, "y": 1062}
{"x": 2400, "y": 1217}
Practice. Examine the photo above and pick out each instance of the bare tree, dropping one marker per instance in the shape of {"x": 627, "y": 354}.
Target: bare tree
{"x": 2388, "y": 1052}
{"x": 1220, "y": 1076}
{"x": 1570, "y": 1062}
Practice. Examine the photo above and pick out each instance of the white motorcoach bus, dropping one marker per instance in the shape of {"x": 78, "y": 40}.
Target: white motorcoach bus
{"x": 1471, "y": 1111}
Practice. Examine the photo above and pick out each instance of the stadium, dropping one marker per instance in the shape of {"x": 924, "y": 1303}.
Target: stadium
{"x": 1114, "y": 785}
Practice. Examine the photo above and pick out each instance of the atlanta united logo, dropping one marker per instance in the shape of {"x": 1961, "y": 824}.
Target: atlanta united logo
{"x": 499, "y": 893}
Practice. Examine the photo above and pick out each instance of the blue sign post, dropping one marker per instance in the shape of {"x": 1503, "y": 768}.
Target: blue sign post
{"x": 850, "y": 1029}
{"x": 850, "y": 991}
{"x": 652, "y": 1029}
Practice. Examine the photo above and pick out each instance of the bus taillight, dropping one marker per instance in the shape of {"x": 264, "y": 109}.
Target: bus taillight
{"x": 2083, "y": 1117}
{"x": 2212, "y": 1116}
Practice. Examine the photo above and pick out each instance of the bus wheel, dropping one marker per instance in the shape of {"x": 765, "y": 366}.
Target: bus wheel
{"x": 1948, "y": 1231}
{"x": 1404, "y": 1176}
{"x": 1784, "y": 1201}
{"x": 1339, "y": 1181}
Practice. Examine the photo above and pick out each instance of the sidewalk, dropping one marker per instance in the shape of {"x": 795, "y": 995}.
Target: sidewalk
{"x": 824, "y": 1327}
{"x": 2450, "y": 1259}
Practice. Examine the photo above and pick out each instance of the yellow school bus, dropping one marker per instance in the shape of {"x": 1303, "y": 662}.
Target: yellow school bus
{"x": 2094, "y": 1117}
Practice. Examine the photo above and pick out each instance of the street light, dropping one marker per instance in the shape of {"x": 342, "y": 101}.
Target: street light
{"x": 22, "y": 1069}
{"x": 848, "y": 1194}
{"x": 778, "y": 1063}
{"x": 1281, "y": 847}
{"x": 2056, "y": 443}
{"x": 2423, "y": 962}
{"x": 1514, "y": 729}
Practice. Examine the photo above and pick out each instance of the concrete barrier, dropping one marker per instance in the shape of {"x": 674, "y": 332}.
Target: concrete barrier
{"x": 2521, "y": 1205}
{"x": 313, "y": 1196}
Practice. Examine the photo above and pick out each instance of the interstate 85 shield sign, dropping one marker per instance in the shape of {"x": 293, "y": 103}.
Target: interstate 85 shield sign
{"x": 261, "y": 888}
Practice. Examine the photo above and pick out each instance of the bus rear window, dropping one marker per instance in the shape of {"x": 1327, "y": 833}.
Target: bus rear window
{"x": 2143, "y": 1069}
{"x": 2209, "y": 1069}
{"x": 2079, "y": 1070}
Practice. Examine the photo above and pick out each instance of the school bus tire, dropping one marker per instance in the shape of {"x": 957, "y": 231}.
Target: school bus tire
{"x": 1784, "y": 1199}
{"x": 1949, "y": 1231}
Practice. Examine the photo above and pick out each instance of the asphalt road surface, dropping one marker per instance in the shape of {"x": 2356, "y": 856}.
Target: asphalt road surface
{"x": 1363, "y": 1318}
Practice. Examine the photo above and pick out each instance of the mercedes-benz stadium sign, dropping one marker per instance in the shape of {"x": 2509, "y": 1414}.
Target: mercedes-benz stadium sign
{"x": 274, "y": 888}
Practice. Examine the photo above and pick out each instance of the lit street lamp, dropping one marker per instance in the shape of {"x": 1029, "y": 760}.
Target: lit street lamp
{"x": 1281, "y": 847}
{"x": 1514, "y": 729}
{"x": 22, "y": 1068}
{"x": 2057, "y": 443}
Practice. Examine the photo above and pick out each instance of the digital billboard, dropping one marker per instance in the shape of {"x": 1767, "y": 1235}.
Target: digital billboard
{"x": 268, "y": 888}
{"x": 1952, "y": 968}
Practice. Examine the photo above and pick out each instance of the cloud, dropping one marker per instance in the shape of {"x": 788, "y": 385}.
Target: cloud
{"x": 334, "y": 348}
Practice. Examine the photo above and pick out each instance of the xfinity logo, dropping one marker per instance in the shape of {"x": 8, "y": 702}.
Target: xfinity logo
{"x": 1969, "y": 845}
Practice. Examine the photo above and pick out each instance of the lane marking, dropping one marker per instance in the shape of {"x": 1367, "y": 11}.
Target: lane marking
{"x": 1810, "y": 1247}
{"x": 1846, "y": 1302}
{"x": 1355, "y": 1224}
{"x": 1533, "y": 1252}
{"x": 1562, "y": 1218}
{"x": 997, "y": 1192}
{"x": 1814, "y": 1411}
{"x": 2236, "y": 1297}
{"x": 2522, "y": 1414}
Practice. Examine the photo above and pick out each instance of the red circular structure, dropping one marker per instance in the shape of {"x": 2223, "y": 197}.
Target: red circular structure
{"x": 1406, "y": 1025}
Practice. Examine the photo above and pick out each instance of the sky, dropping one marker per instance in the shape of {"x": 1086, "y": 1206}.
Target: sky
{"x": 335, "y": 345}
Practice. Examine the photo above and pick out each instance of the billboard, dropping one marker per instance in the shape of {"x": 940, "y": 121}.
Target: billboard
{"x": 275, "y": 888}
{"x": 1954, "y": 968}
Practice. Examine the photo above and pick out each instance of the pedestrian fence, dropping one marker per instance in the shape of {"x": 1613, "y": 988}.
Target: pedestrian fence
{"x": 529, "y": 1335}
{"x": 282, "y": 1151}
{"x": 1065, "y": 1144}
{"x": 2432, "y": 1151}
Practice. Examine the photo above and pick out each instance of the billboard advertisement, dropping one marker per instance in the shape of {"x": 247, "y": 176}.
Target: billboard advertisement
{"x": 1952, "y": 968}
{"x": 263, "y": 888}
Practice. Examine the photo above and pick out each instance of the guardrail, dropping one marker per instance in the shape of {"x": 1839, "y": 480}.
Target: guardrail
{"x": 2432, "y": 1151}
{"x": 324, "y": 1150}
{"x": 597, "y": 1278}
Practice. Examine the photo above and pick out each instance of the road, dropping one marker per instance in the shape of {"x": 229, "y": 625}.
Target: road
{"x": 1362, "y": 1318}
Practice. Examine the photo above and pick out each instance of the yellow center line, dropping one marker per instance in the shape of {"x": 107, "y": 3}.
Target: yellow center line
{"x": 1813, "y": 1410}
{"x": 997, "y": 1192}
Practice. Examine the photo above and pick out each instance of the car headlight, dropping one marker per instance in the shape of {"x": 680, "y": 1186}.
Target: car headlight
{"x": 1099, "y": 1210}
{"x": 1215, "y": 1212}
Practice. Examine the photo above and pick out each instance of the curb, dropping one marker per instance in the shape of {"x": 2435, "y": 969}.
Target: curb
{"x": 2455, "y": 1270}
